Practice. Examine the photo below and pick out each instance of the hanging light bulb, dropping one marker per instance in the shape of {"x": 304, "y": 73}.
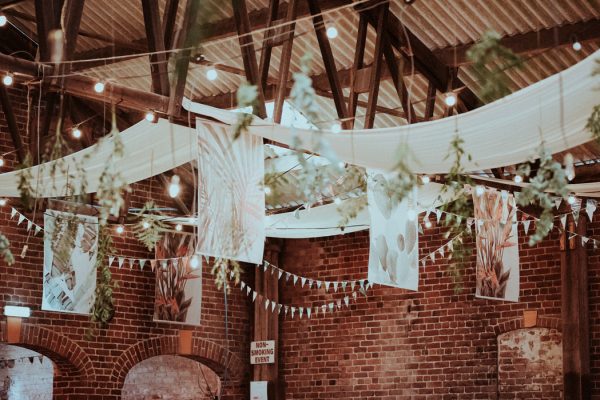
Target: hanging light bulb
{"x": 211, "y": 74}
{"x": 178, "y": 227}
{"x": 7, "y": 79}
{"x": 174, "y": 187}
{"x": 577, "y": 45}
{"x": 99, "y": 87}
{"x": 146, "y": 224}
{"x": 1, "y": 162}
{"x": 194, "y": 262}
{"x": 571, "y": 199}
{"x": 428, "y": 224}
{"x": 450, "y": 99}
{"x": 267, "y": 190}
{"x": 336, "y": 128}
{"x": 3, "y": 20}
{"x": 518, "y": 179}
{"x": 3, "y": 202}
{"x": 569, "y": 167}
{"x": 332, "y": 32}
{"x": 479, "y": 190}
{"x": 425, "y": 179}
{"x": 337, "y": 201}
{"x": 76, "y": 133}
{"x": 120, "y": 229}
{"x": 151, "y": 116}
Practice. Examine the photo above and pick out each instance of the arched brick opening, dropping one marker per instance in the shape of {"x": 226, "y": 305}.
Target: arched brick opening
{"x": 73, "y": 366}
{"x": 208, "y": 353}
{"x": 517, "y": 323}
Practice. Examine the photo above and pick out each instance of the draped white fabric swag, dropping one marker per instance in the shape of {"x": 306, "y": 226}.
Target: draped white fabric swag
{"x": 231, "y": 200}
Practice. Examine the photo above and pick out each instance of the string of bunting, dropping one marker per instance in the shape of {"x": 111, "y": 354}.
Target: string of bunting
{"x": 21, "y": 218}
{"x": 309, "y": 311}
{"x": 10, "y": 362}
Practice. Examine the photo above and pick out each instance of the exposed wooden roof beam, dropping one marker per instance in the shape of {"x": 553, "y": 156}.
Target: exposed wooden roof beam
{"x": 11, "y": 121}
{"x": 529, "y": 42}
{"x": 168, "y": 22}
{"x": 156, "y": 44}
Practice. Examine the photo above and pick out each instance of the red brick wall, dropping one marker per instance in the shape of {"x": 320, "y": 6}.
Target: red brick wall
{"x": 132, "y": 335}
{"x": 398, "y": 344}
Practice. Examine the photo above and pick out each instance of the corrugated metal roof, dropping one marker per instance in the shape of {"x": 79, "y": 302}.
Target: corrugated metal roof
{"x": 438, "y": 23}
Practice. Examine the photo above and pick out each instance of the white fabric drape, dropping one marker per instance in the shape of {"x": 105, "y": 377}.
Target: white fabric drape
{"x": 505, "y": 132}
{"x": 591, "y": 189}
{"x": 150, "y": 149}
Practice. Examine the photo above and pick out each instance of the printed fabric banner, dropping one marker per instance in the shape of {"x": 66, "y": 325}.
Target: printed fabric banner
{"x": 231, "y": 200}
{"x": 70, "y": 251}
{"x": 394, "y": 242}
{"x": 178, "y": 293}
{"x": 497, "y": 245}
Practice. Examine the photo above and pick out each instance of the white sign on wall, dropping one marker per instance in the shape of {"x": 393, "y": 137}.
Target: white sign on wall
{"x": 262, "y": 352}
{"x": 258, "y": 390}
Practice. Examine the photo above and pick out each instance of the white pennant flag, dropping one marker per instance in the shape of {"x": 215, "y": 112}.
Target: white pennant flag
{"x": 310, "y": 283}
{"x": 441, "y": 251}
{"x": 352, "y": 285}
{"x": 300, "y": 311}
{"x": 286, "y": 310}
{"x": 584, "y": 240}
{"x": 347, "y": 301}
{"x": 319, "y": 283}
{"x": 557, "y": 201}
{"x": 242, "y": 285}
{"x": 164, "y": 264}
{"x": 324, "y": 308}
{"x": 563, "y": 221}
{"x": 13, "y": 212}
{"x": 526, "y": 225}
{"x": 152, "y": 264}
{"x": 131, "y": 262}
{"x": 295, "y": 279}
{"x": 576, "y": 217}
{"x": 280, "y": 274}
{"x": 120, "y": 260}
{"x": 316, "y": 311}
{"x": 272, "y": 270}
{"x": 254, "y": 296}
{"x": 248, "y": 290}
{"x": 110, "y": 260}
{"x": 29, "y": 225}
{"x": 303, "y": 281}
{"x": 287, "y": 276}
{"x": 265, "y": 266}
{"x": 590, "y": 208}
{"x": 175, "y": 262}
{"x": 438, "y": 214}
{"x": 335, "y": 286}
{"x": 308, "y": 310}
{"x": 21, "y": 219}
{"x": 354, "y": 295}
{"x": 432, "y": 256}
{"x": 450, "y": 245}
{"x": 266, "y": 304}
{"x": 279, "y": 307}
{"x": 331, "y": 306}
{"x": 37, "y": 229}
{"x": 142, "y": 263}
{"x": 293, "y": 311}
{"x": 339, "y": 303}
{"x": 273, "y": 305}
{"x": 327, "y": 283}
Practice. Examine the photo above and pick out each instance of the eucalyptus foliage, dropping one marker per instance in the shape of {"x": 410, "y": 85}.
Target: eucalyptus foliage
{"x": 103, "y": 309}
{"x": 224, "y": 270}
{"x": 490, "y": 62}
{"x": 5, "y": 252}
{"x": 593, "y": 122}
{"x": 550, "y": 177}
{"x": 247, "y": 96}
{"x": 149, "y": 229}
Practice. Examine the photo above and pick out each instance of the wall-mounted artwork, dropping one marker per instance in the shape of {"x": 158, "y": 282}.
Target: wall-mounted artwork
{"x": 178, "y": 293}
{"x": 394, "y": 241}
{"x": 231, "y": 200}
{"x": 70, "y": 250}
{"x": 497, "y": 245}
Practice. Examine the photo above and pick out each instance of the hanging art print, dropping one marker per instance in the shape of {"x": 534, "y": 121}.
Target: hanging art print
{"x": 231, "y": 200}
{"x": 178, "y": 293}
{"x": 70, "y": 251}
{"x": 394, "y": 242}
{"x": 497, "y": 245}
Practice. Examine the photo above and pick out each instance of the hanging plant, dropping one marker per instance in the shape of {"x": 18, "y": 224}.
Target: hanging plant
{"x": 103, "y": 309}
{"x": 224, "y": 270}
{"x": 593, "y": 122}
{"x": 149, "y": 229}
{"x": 5, "y": 252}
{"x": 550, "y": 177}
{"x": 247, "y": 96}
{"x": 490, "y": 62}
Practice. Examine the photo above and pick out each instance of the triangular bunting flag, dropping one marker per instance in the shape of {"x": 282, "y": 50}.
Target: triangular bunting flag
{"x": 310, "y": 283}
{"x": 344, "y": 284}
{"x": 354, "y": 295}
{"x": 421, "y": 229}
{"x": 303, "y": 281}
{"x": 327, "y": 283}
{"x": 432, "y": 256}
{"x": 120, "y": 261}
{"x": 267, "y": 304}
{"x": 319, "y": 283}
{"x": 142, "y": 263}
{"x": 152, "y": 264}
{"x": 21, "y": 219}
{"x": 450, "y": 245}
{"x": 584, "y": 240}
{"x": 164, "y": 264}
{"x": 324, "y": 308}
{"x": 13, "y": 212}
{"x": 347, "y": 301}
{"x": 563, "y": 221}
{"x": 280, "y": 274}
{"x": 254, "y": 294}
{"x": 295, "y": 279}
{"x": 331, "y": 306}
{"x": 441, "y": 251}
{"x": 335, "y": 286}
{"x": 175, "y": 262}
{"x": 29, "y": 225}
{"x": 248, "y": 290}
{"x": 293, "y": 311}
{"x": 273, "y": 305}
{"x": 286, "y": 308}
{"x": 131, "y": 262}
{"x": 279, "y": 307}
{"x": 265, "y": 266}
{"x": 590, "y": 208}
{"x": 526, "y": 225}
{"x": 300, "y": 311}
{"x": 37, "y": 229}
{"x": 339, "y": 303}
{"x": 308, "y": 310}
{"x": 110, "y": 260}
{"x": 352, "y": 285}
{"x": 438, "y": 214}
{"x": 557, "y": 201}
{"x": 242, "y": 285}
{"x": 576, "y": 217}
{"x": 287, "y": 276}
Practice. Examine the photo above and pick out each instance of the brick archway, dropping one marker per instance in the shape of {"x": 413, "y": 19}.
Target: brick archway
{"x": 71, "y": 359}
{"x": 517, "y": 323}
{"x": 210, "y": 354}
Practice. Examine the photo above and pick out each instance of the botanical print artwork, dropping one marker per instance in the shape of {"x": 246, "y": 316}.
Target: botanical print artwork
{"x": 70, "y": 250}
{"x": 497, "y": 245}
{"x": 178, "y": 296}
{"x": 231, "y": 200}
{"x": 394, "y": 243}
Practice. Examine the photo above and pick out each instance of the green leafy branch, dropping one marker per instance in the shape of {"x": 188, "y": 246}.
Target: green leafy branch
{"x": 149, "y": 229}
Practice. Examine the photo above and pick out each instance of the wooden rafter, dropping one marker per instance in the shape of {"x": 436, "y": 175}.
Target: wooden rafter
{"x": 156, "y": 45}
{"x": 430, "y": 101}
{"x": 359, "y": 55}
{"x": 267, "y": 49}
{"x": 329, "y": 63}
{"x": 242, "y": 23}
{"x": 11, "y": 121}
{"x": 168, "y": 23}
{"x": 47, "y": 17}
{"x": 374, "y": 81}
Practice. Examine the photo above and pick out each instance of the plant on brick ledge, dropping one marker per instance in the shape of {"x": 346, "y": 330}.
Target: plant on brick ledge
{"x": 103, "y": 308}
